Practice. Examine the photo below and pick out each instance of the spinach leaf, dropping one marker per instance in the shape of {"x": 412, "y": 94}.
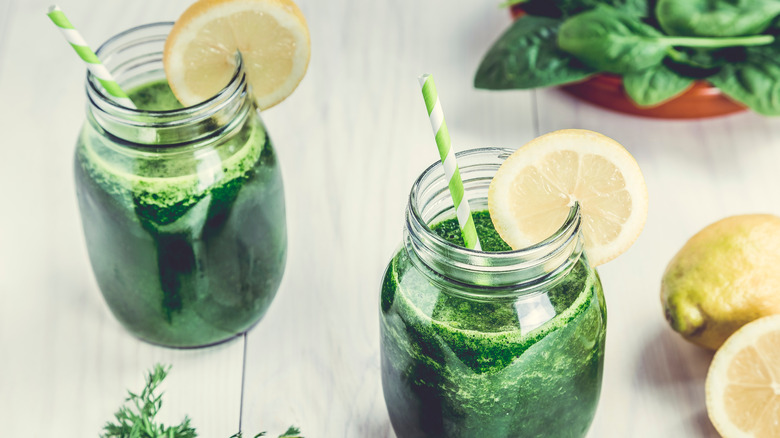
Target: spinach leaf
{"x": 699, "y": 63}
{"x": 696, "y": 67}
{"x": 655, "y": 85}
{"x": 700, "y": 58}
{"x": 755, "y": 81}
{"x": 610, "y": 40}
{"x": 637, "y": 8}
{"x": 527, "y": 56}
{"x": 558, "y": 8}
{"x": 718, "y": 18}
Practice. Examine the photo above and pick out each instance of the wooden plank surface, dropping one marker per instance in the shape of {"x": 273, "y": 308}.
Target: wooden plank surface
{"x": 351, "y": 141}
{"x": 66, "y": 362}
{"x": 697, "y": 172}
{"x": 358, "y": 139}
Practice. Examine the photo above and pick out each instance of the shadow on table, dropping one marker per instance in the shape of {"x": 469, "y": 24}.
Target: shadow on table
{"x": 676, "y": 370}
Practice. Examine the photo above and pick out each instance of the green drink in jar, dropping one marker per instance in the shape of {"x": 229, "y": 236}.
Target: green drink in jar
{"x": 182, "y": 208}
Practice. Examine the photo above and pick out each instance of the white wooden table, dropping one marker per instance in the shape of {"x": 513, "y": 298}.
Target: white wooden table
{"x": 351, "y": 140}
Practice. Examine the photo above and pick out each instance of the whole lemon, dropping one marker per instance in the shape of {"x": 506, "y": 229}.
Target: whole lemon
{"x": 725, "y": 276}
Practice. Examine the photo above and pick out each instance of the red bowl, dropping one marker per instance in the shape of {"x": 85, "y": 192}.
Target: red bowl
{"x": 606, "y": 90}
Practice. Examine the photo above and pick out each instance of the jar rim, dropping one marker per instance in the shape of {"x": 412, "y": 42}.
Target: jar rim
{"x": 139, "y": 52}
{"x": 94, "y": 84}
{"x": 483, "y": 273}
{"x": 574, "y": 211}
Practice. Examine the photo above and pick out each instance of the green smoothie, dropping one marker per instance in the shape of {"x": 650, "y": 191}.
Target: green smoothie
{"x": 187, "y": 242}
{"x": 529, "y": 366}
{"x": 155, "y": 96}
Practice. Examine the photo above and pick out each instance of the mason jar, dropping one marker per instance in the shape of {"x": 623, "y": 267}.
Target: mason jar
{"x": 488, "y": 344}
{"x": 182, "y": 208}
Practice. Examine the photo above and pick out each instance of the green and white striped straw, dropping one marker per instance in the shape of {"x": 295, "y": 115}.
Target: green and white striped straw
{"x": 447, "y": 155}
{"x": 85, "y": 53}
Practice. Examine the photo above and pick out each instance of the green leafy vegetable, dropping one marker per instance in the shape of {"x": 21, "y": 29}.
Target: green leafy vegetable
{"x": 610, "y": 40}
{"x": 655, "y": 85}
{"x": 659, "y": 47}
{"x": 755, "y": 81}
{"x": 717, "y": 18}
{"x": 527, "y": 56}
{"x": 136, "y": 418}
{"x": 698, "y": 58}
{"x": 639, "y": 8}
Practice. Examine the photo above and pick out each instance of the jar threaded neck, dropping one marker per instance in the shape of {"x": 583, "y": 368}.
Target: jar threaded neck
{"x": 135, "y": 58}
{"x": 491, "y": 274}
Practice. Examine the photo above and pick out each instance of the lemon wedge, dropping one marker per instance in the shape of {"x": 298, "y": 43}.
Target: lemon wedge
{"x": 534, "y": 189}
{"x": 743, "y": 382}
{"x": 272, "y": 36}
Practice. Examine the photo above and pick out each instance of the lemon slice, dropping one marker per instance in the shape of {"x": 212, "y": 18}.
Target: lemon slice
{"x": 531, "y": 194}
{"x": 272, "y": 36}
{"x": 743, "y": 383}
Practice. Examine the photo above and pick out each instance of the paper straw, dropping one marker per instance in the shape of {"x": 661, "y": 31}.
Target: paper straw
{"x": 85, "y": 53}
{"x": 447, "y": 155}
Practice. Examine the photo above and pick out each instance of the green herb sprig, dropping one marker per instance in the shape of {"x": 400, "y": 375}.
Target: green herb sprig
{"x": 658, "y": 47}
{"x": 292, "y": 432}
{"x": 136, "y": 418}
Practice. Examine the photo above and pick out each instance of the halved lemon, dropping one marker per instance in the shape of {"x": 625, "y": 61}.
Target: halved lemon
{"x": 534, "y": 189}
{"x": 272, "y": 36}
{"x": 743, "y": 383}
